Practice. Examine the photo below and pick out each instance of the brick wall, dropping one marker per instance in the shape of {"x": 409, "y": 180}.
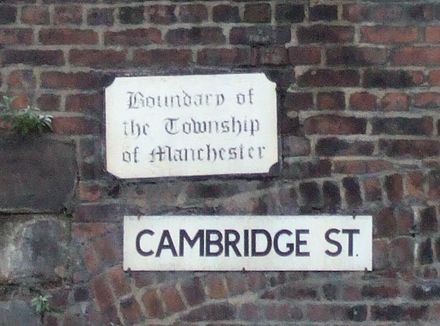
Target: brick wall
{"x": 359, "y": 123}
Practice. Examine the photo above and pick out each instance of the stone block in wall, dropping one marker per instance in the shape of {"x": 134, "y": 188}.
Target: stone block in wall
{"x": 18, "y": 313}
{"x": 33, "y": 248}
{"x": 36, "y": 174}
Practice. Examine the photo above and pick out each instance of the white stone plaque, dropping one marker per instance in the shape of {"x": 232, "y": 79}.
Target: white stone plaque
{"x": 191, "y": 125}
{"x": 258, "y": 243}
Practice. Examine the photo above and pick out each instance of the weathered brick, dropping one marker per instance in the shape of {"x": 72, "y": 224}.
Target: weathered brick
{"x": 161, "y": 14}
{"x": 390, "y": 79}
{"x": 386, "y": 13}
{"x": 434, "y": 78}
{"x": 426, "y": 100}
{"x": 310, "y": 194}
{"x": 97, "y": 58}
{"x": 403, "y": 126}
{"x": 330, "y": 101}
{"x": 219, "y": 57}
{"x": 304, "y": 55}
{"x": 414, "y": 184}
{"x": 425, "y": 291}
{"x": 380, "y": 291}
{"x": 195, "y": 35}
{"x": 162, "y": 57}
{"x": 416, "y": 56}
{"x": 21, "y": 80}
{"x": 327, "y": 77}
{"x": 225, "y": 13}
{"x": 296, "y": 146}
{"x": 75, "y": 126}
{"x": 276, "y": 55}
{"x": 281, "y": 312}
{"x": 372, "y": 189}
{"x": 133, "y": 37}
{"x": 257, "y": 13}
{"x": 363, "y": 101}
{"x": 80, "y": 80}
{"x": 389, "y": 34}
{"x": 211, "y": 312}
{"x": 15, "y": 36}
{"x": 428, "y": 220}
{"x": 100, "y": 16}
{"x": 334, "y": 125}
{"x": 216, "y": 287}
{"x": 67, "y": 36}
{"x": 434, "y": 184}
{"x": 399, "y": 312}
{"x": 323, "y": 12}
{"x": 381, "y": 259}
{"x": 118, "y": 281}
{"x": 131, "y": 15}
{"x": 353, "y": 56}
{"x": 67, "y": 15}
{"x": 298, "y": 101}
{"x": 48, "y": 102}
{"x": 8, "y": 15}
{"x": 325, "y": 34}
{"x": 425, "y": 253}
{"x": 152, "y": 304}
{"x": 131, "y": 310}
{"x": 172, "y": 300}
{"x": 196, "y": 13}
{"x": 394, "y": 187}
{"x": 35, "y": 15}
{"x": 410, "y": 148}
{"x": 193, "y": 291}
{"x": 87, "y": 103}
{"x": 395, "y": 102}
{"x": 334, "y": 146}
{"x": 34, "y": 57}
{"x": 103, "y": 294}
{"x": 402, "y": 253}
{"x": 331, "y": 195}
{"x": 289, "y": 13}
{"x": 259, "y": 34}
{"x": 352, "y": 192}
{"x": 298, "y": 291}
{"x": 355, "y": 12}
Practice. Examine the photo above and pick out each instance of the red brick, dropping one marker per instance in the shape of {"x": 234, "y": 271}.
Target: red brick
{"x": 97, "y": 58}
{"x": 363, "y": 101}
{"x": 298, "y": 101}
{"x": 225, "y": 13}
{"x": 119, "y": 282}
{"x": 355, "y": 56}
{"x": 327, "y": 77}
{"x": 334, "y": 125}
{"x": 386, "y": 13}
{"x": 402, "y": 126}
{"x": 131, "y": 310}
{"x": 100, "y": 16}
{"x": 257, "y": 13}
{"x": 362, "y": 167}
{"x": 414, "y": 184}
{"x": 196, "y": 13}
{"x": 432, "y": 34}
{"x": 394, "y": 188}
{"x": 133, "y": 37}
{"x": 304, "y": 55}
{"x": 35, "y": 15}
{"x": 21, "y": 80}
{"x": 283, "y": 311}
{"x": 389, "y": 34}
{"x": 385, "y": 224}
{"x": 161, "y": 14}
{"x": 171, "y": 298}
{"x": 331, "y": 101}
{"x": 321, "y": 312}
{"x": 102, "y": 292}
{"x": 84, "y": 232}
{"x": 74, "y": 126}
{"x": 355, "y": 12}
{"x": 372, "y": 189}
{"x": 256, "y": 281}
{"x": 410, "y": 148}
{"x": 88, "y": 103}
{"x": 91, "y": 260}
{"x": 380, "y": 291}
{"x": 426, "y": 100}
{"x": 219, "y": 57}
{"x": 68, "y": 15}
{"x": 16, "y": 36}
{"x": 381, "y": 248}
{"x": 193, "y": 291}
{"x": 395, "y": 102}
{"x": 325, "y": 34}
{"x": 195, "y": 35}
{"x": 68, "y": 36}
{"x": 402, "y": 253}
{"x": 80, "y": 80}
{"x": 236, "y": 283}
{"x": 260, "y": 34}
{"x": 152, "y": 304}
{"x": 434, "y": 78}
{"x": 250, "y": 312}
{"x": 163, "y": 57}
{"x": 34, "y": 57}
{"x": 381, "y": 78}
{"x": 216, "y": 288}
{"x": 419, "y": 56}
{"x": 434, "y": 184}
{"x": 49, "y": 102}
{"x": 275, "y": 55}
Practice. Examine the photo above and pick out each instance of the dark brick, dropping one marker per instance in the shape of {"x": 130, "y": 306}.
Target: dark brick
{"x": 385, "y": 224}
{"x": 363, "y": 101}
{"x": 352, "y": 192}
{"x": 257, "y": 13}
{"x": 331, "y": 196}
{"x": 87, "y": 103}
{"x": 399, "y": 313}
{"x": 80, "y": 80}
{"x": 334, "y": 125}
{"x": 211, "y": 312}
{"x": 380, "y": 291}
{"x": 308, "y": 169}
{"x": 327, "y": 77}
{"x": 331, "y": 101}
{"x": 193, "y": 291}
{"x": 434, "y": 183}
{"x": 219, "y": 57}
{"x": 372, "y": 189}
{"x": 48, "y": 102}
{"x": 325, "y": 34}
{"x": 131, "y": 310}
{"x": 35, "y": 15}
{"x": 133, "y": 37}
{"x": 403, "y": 126}
{"x": 67, "y": 15}
{"x": 289, "y": 13}
{"x": 420, "y": 56}
{"x": 357, "y": 313}
{"x": 388, "y": 79}
{"x": 428, "y": 220}
{"x": 100, "y": 16}
{"x": 195, "y": 35}
{"x": 13, "y": 36}
{"x": 34, "y": 57}
{"x": 196, "y": 13}
{"x": 425, "y": 254}
{"x": 161, "y": 14}
{"x": 355, "y": 56}
{"x": 260, "y": 34}
{"x": 298, "y": 101}
{"x": 410, "y": 148}
{"x": 8, "y": 15}
{"x": 131, "y": 15}
{"x": 225, "y": 14}
{"x": 334, "y": 146}
{"x": 402, "y": 253}
{"x": 152, "y": 304}
{"x": 310, "y": 193}
{"x": 54, "y": 36}
{"x": 298, "y": 292}
{"x": 323, "y": 12}
{"x": 394, "y": 187}
{"x": 304, "y": 55}
{"x": 97, "y": 58}
{"x": 426, "y": 291}
{"x": 162, "y": 57}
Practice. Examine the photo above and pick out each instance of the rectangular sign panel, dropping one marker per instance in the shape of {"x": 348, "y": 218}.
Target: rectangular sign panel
{"x": 257, "y": 243}
{"x": 162, "y": 126}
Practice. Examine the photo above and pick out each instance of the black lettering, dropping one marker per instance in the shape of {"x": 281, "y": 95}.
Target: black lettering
{"x": 350, "y": 233}
{"x": 166, "y": 242}
{"x": 232, "y": 243}
{"x": 333, "y": 242}
{"x": 290, "y": 246}
{"x": 300, "y": 243}
{"x": 184, "y": 237}
{"x": 213, "y": 242}
{"x": 266, "y": 234}
{"x": 138, "y": 243}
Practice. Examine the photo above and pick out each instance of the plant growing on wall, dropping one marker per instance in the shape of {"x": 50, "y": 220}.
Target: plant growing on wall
{"x": 41, "y": 305}
{"x": 24, "y": 121}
